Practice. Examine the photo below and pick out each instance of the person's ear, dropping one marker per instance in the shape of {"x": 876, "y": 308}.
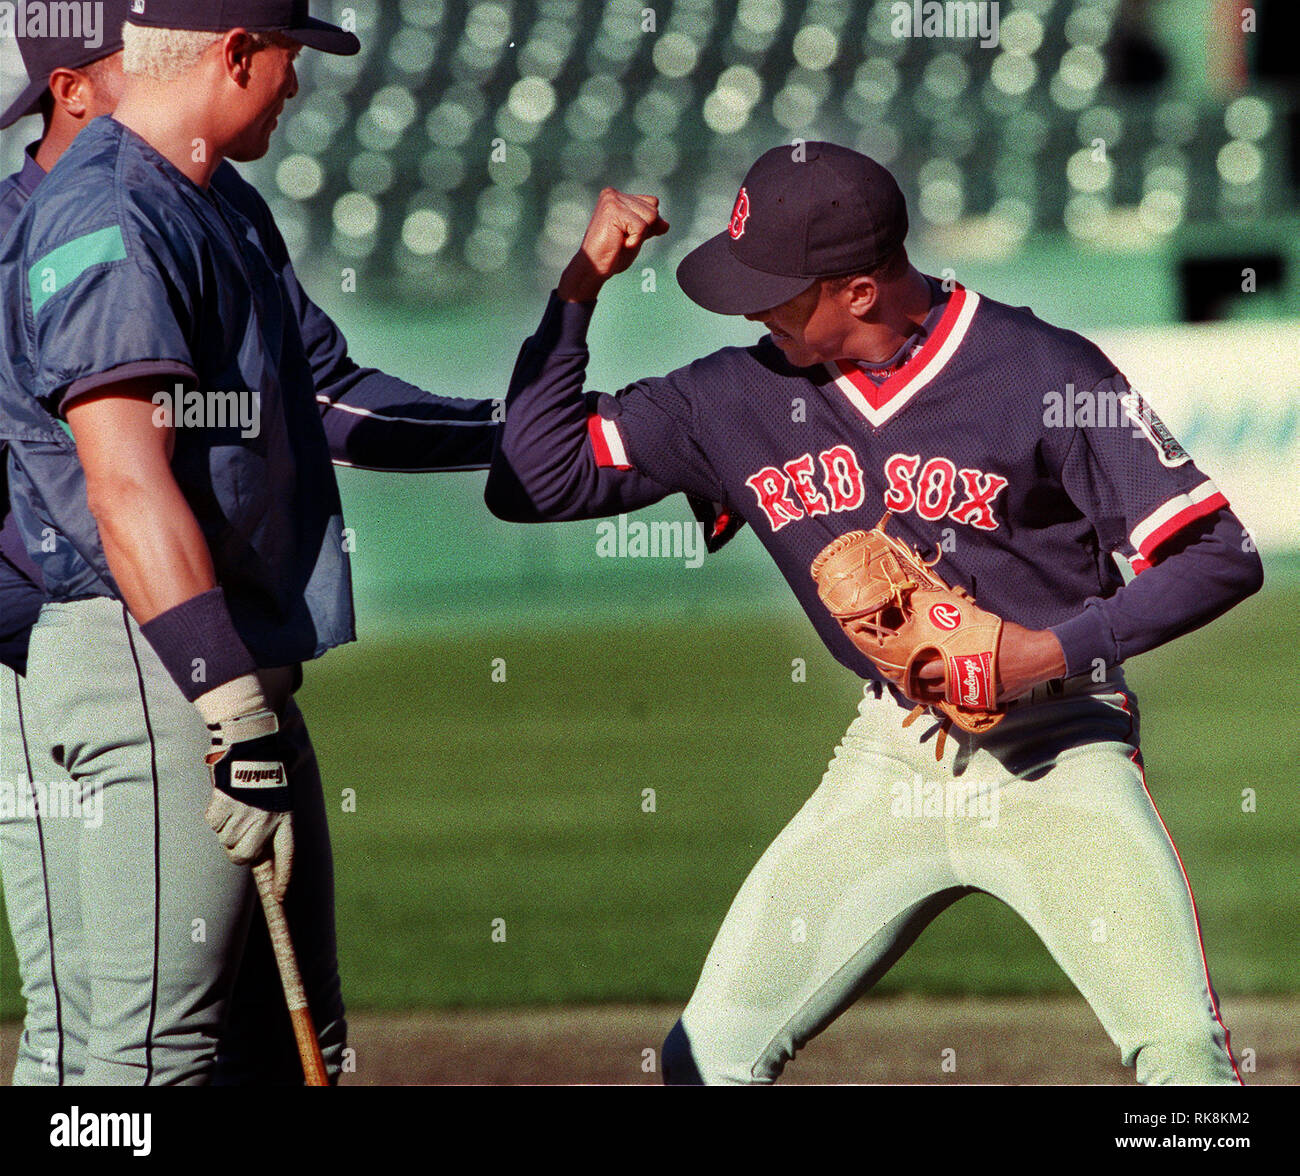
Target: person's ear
{"x": 861, "y": 295}
{"x": 71, "y": 90}
{"x": 238, "y": 49}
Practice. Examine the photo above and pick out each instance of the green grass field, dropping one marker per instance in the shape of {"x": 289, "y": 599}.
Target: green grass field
{"x": 523, "y": 801}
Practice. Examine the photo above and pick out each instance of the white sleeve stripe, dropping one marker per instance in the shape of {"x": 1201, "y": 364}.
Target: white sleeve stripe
{"x": 327, "y": 403}
{"x": 1169, "y": 511}
{"x": 614, "y": 439}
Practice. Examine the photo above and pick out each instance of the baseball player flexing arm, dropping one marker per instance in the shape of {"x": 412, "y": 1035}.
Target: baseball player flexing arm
{"x": 256, "y": 513}
{"x": 928, "y": 402}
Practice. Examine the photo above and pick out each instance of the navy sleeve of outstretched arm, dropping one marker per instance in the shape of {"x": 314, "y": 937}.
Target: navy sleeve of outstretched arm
{"x": 375, "y": 421}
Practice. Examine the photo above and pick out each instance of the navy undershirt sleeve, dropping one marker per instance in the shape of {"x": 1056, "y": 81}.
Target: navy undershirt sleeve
{"x": 545, "y": 469}
{"x": 1201, "y": 573}
{"x": 375, "y": 421}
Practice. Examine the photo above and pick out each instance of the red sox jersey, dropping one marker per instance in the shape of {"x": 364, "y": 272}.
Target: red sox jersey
{"x": 1014, "y": 447}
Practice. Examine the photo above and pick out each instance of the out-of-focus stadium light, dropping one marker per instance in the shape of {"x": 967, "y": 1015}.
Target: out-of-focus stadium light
{"x": 732, "y": 100}
{"x": 756, "y": 25}
{"x": 425, "y": 232}
{"x": 942, "y": 200}
{"x": 946, "y": 77}
{"x": 1090, "y": 170}
{"x": 815, "y": 47}
{"x": 1020, "y": 33}
{"x": 1089, "y": 24}
{"x": 542, "y": 104}
{"x": 1248, "y": 117}
{"x": 300, "y": 177}
{"x": 1013, "y": 73}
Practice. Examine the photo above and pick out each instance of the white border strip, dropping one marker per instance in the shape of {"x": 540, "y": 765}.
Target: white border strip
{"x": 1170, "y": 510}
{"x": 933, "y": 366}
{"x": 355, "y": 410}
{"x": 614, "y": 439}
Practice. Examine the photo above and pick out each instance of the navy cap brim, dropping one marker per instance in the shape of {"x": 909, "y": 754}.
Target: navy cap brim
{"x": 328, "y": 38}
{"x": 713, "y": 277}
{"x": 28, "y": 102}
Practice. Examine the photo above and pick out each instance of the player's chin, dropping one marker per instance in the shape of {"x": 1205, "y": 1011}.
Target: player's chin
{"x": 250, "y": 150}
{"x": 798, "y": 354}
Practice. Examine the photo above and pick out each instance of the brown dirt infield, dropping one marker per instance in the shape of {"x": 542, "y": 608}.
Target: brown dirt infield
{"x": 898, "y": 1040}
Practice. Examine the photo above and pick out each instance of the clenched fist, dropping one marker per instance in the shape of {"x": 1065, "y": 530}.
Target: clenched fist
{"x": 619, "y": 227}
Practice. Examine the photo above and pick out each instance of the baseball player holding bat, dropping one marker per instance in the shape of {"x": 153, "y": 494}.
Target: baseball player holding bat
{"x": 189, "y": 566}
{"x": 879, "y": 389}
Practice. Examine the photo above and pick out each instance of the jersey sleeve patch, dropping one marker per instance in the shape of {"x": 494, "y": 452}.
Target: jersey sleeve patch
{"x": 1171, "y": 454}
{"x": 55, "y": 272}
{"x": 1167, "y": 520}
{"x": 607, "y": 443}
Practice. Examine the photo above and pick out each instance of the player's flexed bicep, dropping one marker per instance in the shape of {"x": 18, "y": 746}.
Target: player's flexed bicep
{"x": 568, "y": 454}
{"x": 1150, "y": 504}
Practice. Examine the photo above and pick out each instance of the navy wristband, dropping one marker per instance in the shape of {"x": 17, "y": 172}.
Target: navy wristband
{"x": 198, "y": 645}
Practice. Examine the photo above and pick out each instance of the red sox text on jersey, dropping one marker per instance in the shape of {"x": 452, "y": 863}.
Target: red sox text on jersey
{"x": 934, "y": 488}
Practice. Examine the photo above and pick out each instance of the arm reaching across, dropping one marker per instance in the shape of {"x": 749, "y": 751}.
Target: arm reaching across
{"x": 373, "y": 420}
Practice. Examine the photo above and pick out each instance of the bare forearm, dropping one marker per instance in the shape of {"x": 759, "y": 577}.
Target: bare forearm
{"x": 1027, "y": 658}
{"x": 154, "y": 547}
{"x": 580, "y": 282}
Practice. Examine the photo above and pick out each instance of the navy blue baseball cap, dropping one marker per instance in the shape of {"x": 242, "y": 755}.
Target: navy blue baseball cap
{"x": 808, "y": 211}
{"x": 292, "y": 18}
{"x": 43, "y": 54}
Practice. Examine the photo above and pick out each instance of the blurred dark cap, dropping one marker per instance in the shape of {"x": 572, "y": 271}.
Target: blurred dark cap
{"x": 94, "y": 32}
{"x": 806, "y": 211}
{"x": 291, "y": 17}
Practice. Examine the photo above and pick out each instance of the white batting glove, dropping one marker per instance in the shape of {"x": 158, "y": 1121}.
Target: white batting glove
{"x": 250, "y": 810}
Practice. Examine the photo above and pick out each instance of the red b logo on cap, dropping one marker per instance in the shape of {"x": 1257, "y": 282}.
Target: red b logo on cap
{"x": 739, "y": 215}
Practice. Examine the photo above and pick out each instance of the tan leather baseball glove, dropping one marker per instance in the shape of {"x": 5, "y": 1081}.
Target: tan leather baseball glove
{"x": 900, "y": 614}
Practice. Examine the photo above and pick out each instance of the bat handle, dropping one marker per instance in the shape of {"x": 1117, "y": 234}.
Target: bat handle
{"x": 313, "y": 1064}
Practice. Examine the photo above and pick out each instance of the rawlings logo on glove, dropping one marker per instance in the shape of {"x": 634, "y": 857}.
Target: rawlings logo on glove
{"x": 903, "y": 617}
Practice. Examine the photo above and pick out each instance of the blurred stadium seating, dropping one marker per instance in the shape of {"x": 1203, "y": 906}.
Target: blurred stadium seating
{"x": 469, "y": 139}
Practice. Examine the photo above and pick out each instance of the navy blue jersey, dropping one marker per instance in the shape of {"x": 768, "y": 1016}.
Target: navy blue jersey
{"x": 1011, "y": 445}
{"x": 119, "y": 266}
{"x": 372, "y": 420}
{"x": 21, "y": 590}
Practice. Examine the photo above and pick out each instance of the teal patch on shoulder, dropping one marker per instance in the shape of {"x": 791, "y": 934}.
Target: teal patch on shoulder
{"x": 58, "y": 270}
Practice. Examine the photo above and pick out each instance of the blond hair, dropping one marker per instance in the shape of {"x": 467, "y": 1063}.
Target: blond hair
{"x": 167, "y": 54}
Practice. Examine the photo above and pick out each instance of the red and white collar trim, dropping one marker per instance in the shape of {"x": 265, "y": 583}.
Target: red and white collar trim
{"x": 878, "y": 403}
